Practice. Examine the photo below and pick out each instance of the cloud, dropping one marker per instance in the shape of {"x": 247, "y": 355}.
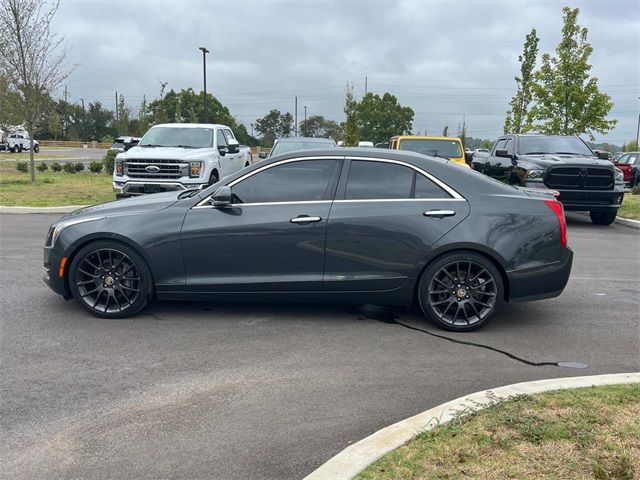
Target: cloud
{"x": 444, "y": 59}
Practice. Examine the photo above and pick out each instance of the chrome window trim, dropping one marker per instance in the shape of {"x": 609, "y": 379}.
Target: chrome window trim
{"x": 454, "y": 194}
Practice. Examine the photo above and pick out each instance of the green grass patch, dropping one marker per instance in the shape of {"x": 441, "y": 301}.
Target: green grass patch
{"x": 583, "y": 433}
{"x": 12, "y": 157}
{"x": 53, "y": 188}
{"x": 630, "y": 207}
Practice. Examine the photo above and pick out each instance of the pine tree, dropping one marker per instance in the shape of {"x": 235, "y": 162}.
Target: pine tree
{"x": 350, "y": 125}
{"x": 567, "y": 98}
{"x": 519, "y": 105}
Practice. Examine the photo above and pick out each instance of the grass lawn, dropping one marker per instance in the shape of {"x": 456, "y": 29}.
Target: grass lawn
{"x": 53, "y": 188}
{"x": 583, "y": 433}
{"x": 24, "y": 156}
{"x": 630, "y": 207}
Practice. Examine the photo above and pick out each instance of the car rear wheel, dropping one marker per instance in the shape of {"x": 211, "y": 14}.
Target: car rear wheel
{"x": 110, "y": 280}
{"x": 603, "y": 218}
{"x": 36, "y": 149}
{"x": 460, "y": 292}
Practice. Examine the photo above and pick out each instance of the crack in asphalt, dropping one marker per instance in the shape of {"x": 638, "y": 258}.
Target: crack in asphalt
{"x": 387, "y": 316}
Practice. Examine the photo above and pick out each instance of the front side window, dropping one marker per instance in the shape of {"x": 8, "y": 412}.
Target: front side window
{"x": 221, "y": 139}
{"x": 500, "y": 144}
{"x": 629, "y": 159}
{"x": 229, "y": 135}
{"x": 300, "y": 181}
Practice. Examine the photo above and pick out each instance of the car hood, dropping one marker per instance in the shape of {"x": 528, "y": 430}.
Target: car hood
{"x": 126, "y": 206}
{"x": 165, "y": 153}
{"x": 549, "y": 160}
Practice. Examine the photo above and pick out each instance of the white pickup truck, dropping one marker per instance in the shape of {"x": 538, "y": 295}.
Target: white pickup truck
{"x": 17, "y": 140}
{"x": 179, "y": 156}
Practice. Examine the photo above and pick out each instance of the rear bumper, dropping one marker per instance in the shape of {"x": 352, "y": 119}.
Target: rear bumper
{"x": 542, "y": 282}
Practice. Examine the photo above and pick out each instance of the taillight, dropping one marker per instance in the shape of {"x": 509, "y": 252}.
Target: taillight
{"x": 557, "y": 208}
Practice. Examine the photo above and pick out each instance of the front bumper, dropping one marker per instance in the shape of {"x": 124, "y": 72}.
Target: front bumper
{"x": 135, "y": 188}
{"x": 542, "y": 282}
{"x": 587, "y": 200}
{"x": 51, "y": 274}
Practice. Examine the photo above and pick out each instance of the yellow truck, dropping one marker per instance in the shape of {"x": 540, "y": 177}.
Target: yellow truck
{"x": 444, "y": 147}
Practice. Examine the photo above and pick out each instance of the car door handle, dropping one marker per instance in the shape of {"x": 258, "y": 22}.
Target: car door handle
{"x": 305, "y": 219}
{"x": 439, "y": 213}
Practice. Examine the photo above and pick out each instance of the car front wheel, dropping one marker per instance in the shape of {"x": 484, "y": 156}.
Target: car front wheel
{"x": 36, "y": 149}
{"x": 603, "y": 218}
{"x": 460, "y": 292}
{"x": 110, "y": 280}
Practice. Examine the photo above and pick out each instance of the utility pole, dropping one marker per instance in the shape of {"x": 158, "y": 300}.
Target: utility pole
{"x": 66, "y": 93}
{"x": 365, "y": 84}
{"x": 204, "y": 71}
{"x": 295, "y": 125}
{"x": 116, "y": 92}
{"x": 82, "y": 101}
{"x": 638, "y": 131}
{"x": 305, "y": 113}
{"x": 251, "y": 129}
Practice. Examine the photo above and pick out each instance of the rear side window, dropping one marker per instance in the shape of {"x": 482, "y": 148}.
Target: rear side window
{"x": 305, "y": 180}
{"x": 425, "y": 188}
{"x": 378, "y": 180}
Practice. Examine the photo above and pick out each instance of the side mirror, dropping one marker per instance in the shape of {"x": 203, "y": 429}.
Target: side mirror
{"x": 262, "y": 155}
{"x": 503, "y": 153}
{"x": 233, "y": 147}
{"x": 223, "y": 150}
{"x": 468, "y": 157}
{"x": 221, "y": 197}
{"x": 127, "y": 146}
{"x": 603, "y": 155}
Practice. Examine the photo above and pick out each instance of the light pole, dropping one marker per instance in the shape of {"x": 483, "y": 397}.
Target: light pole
{"x": 116, "y": 93}
{"x": 638, "y": 131}
{"x": 204, "y": 72}
{"x": 305, "y": 113}
{"x": 251, "y": 129}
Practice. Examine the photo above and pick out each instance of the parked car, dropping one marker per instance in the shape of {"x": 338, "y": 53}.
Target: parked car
{"x": 382, "y": 145}
{"x": 17, "y": 142}
{"x": 349, "y": 225}
{"x": 562, "y": 163}
{"x": 481, "y": 150}
{"x": 444, "y": 147}
{"x": 629, "y": 164}
{"x": 292, "y": 144}
{"x": 614, "y": 158}
{"x": 122, "y": 144}
{"x": 178, "y": 156}
{"x": 363, "y": 144}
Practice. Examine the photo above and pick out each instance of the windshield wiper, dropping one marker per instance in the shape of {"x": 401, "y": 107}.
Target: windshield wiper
{"x": 571, "y": 153}
{"x": 188, "y": 193}
{"x": 184, "y": 146}
{"x": 536, "y": 153}
{"x": 148, "y": 145}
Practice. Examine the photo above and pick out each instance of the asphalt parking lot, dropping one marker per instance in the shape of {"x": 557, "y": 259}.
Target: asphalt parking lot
{"x": 63, "y": 154}
{"x": 261, "y": 391}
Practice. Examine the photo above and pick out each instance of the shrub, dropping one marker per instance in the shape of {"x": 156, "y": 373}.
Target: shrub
{"x": 95, "y": 166}
{"x": 107, "y": 139}
{"x": 636, "y": 190}
{"x": 108, "y": 161}
{"x": 56, "y": 167}
{"x": 69, "y": 167}
{"x": 22, "y": 167}
{"x": 79, "y": 167}
{"x": 42, "y": 167}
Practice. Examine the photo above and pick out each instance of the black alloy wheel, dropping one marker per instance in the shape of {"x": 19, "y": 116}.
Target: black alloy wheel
{"x": 461, "y": 291}
{"x": 110, "y": 280}
{"x": 603, "y": 218}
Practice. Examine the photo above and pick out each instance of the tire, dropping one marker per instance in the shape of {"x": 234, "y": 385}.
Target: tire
{"x": 14, "y": 149}
{"x": 213, "y": 178}
{"x": 603, "y": 218}
{"x": 126, "y": 276}
{"x": 36, "y": 148}
{"x": 246, "y": 165}
{"x": 466, "y": 281}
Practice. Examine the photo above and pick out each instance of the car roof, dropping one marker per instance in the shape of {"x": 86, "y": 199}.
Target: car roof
{"x": 191, "y": 125}
{"x": 423, "y": 137}
{"x": 306, "y": 139}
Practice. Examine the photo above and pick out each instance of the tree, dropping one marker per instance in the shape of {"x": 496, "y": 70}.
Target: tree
{"x": 462, "y": 132}
{"x": 630, "y": 146}
{"x": 9, "y": 100}
{"x": 380, "y": 118}
{"x": 318, "y": 126}
{"x": 274, "y": 125}
{"x": 567, "y": 98}
{"x": 97, "y": 121}
{"x": 350, "y": 125}
{"x": 32, "y": 58}
{"x": 124, "y": 112}
{"x": 486, "y": 144}
{"x": 519, "y": 105}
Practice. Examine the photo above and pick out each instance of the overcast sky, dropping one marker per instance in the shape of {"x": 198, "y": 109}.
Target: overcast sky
{"x": 442, "y": 58}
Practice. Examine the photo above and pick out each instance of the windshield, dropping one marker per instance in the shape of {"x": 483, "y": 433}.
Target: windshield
{"x": 286, "y": 147}
{"x": 440, "y": 148}
{"x": 539, "y": 145}
{"x": 629, "y": 159}
{"x": 178, "y": 137}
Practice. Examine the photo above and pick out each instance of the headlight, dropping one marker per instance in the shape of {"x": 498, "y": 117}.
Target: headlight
{"x": 57, "y": 228}
{"x": 119, "y": 168}
{"x": 194, "y": 169}
{"x": 535, "y": 174}
{"x": 619, "y": 176}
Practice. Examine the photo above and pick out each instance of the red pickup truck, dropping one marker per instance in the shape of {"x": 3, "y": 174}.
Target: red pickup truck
{"x": 629, "y": 163}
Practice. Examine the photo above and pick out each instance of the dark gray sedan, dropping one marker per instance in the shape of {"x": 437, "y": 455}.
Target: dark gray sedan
{"x": 349, "y": 225}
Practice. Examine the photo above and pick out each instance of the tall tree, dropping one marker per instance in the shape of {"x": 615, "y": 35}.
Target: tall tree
{"x": 318, "y": 126}
{"x": 519, "y": 105}
{"x": 380, "y": 118}
{"x": 567, "y": 98}
{"x": 350, "y": 125}
{"x": 274, "y": 125}
{"x": 32, "y": 58}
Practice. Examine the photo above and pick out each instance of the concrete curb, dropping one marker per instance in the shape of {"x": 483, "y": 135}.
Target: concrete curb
{"x": 628, "y": 222}
{"x": 65, "y": 209}
{"x": 355, "y": 458}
